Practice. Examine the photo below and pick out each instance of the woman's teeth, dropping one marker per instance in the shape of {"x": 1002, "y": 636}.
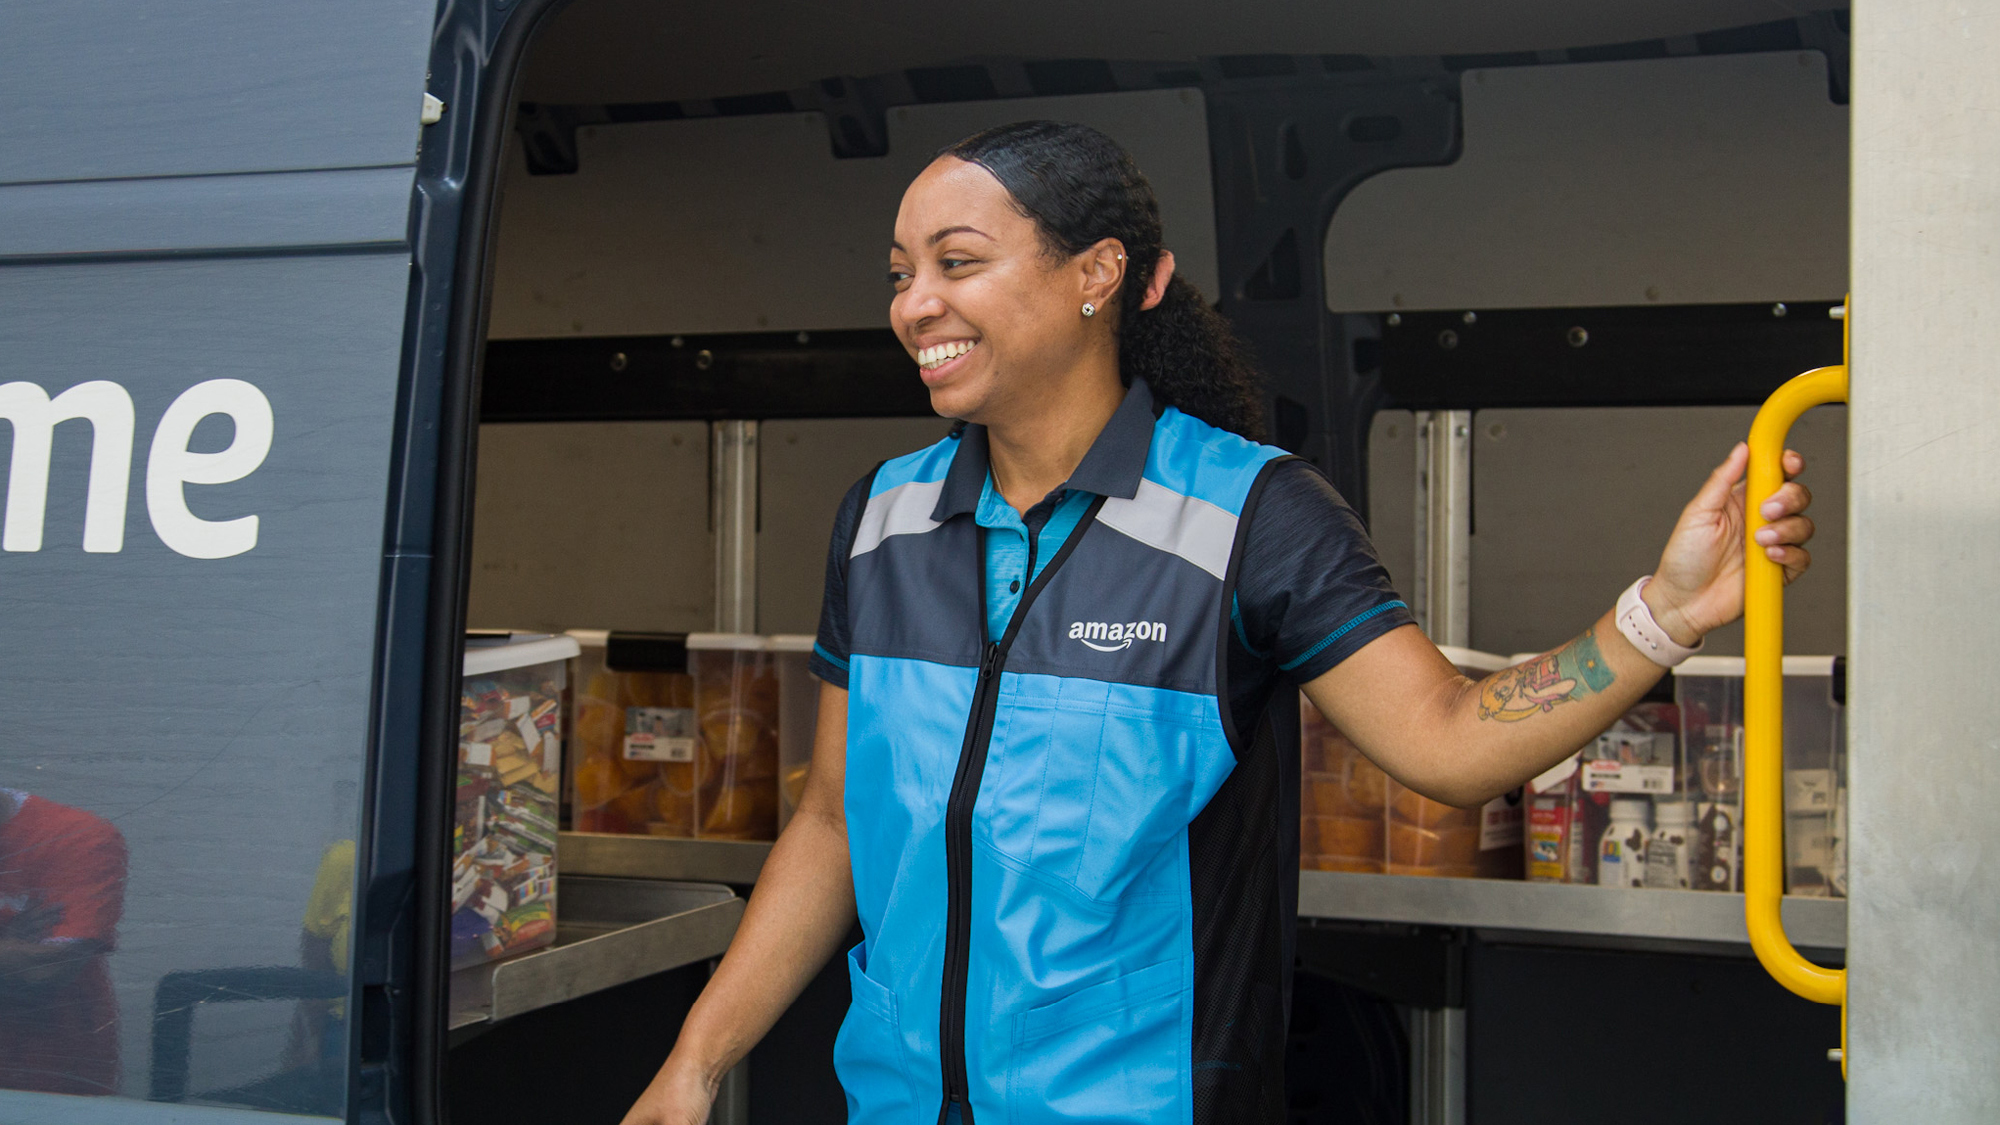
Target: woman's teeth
{"x": 936, "y": 354}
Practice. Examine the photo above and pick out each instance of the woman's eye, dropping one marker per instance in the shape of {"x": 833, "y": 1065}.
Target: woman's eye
{"x": 954, "y": 263}
{"x": 897, "y": 277}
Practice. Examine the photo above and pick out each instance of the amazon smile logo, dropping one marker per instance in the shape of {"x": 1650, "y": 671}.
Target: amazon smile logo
{"x": 1113, "y": 636}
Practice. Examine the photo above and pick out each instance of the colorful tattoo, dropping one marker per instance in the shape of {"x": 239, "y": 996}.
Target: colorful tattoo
{"x": 1571, "y": 672}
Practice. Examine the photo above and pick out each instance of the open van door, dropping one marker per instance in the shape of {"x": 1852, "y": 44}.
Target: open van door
{"x": 228, "y": 234}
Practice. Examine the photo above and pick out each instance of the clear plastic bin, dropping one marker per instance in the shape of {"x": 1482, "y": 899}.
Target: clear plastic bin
{"x": 1569, "y": 805}
{"x": 798, "y": 719}
{"x": 1341, "y": 798}
{"x": 1709, "y": 690}
{"x": 1354, "y": 817}
{"x": 736, "y": 720}
{"x": 503, "y": 855}
{"x": 1426, "y": 837}
{"x": 633, "y": 764}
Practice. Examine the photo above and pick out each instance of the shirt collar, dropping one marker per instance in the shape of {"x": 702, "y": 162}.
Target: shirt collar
{"x": 1113, "y": 466}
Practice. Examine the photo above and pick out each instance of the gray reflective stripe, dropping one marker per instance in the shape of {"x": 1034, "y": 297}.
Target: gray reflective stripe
{"x": 1161, "y": 518}
{"x": 903, "y": 510}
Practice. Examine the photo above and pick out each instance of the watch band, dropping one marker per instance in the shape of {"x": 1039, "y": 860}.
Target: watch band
{"x": 1635, "y": 620}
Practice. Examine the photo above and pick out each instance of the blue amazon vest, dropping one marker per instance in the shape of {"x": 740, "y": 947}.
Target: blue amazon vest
{"x": 1025, "y": 817}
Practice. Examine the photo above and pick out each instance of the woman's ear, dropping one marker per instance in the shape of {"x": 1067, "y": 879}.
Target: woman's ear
{"x": 1163, "y": 272}
{"x": 1103, "y": 272}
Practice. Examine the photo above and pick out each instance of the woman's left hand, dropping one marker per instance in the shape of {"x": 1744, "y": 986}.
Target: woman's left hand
{"x": 1699, "y": 583}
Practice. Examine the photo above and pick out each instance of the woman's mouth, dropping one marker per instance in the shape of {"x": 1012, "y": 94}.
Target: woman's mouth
{"x": 937, "y": 358}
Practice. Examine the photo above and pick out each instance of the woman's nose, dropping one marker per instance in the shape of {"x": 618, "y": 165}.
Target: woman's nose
{"x": 918, "y": 303}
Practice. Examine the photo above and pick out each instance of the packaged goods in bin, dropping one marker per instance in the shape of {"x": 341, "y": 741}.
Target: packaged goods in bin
{"x": 633, "y": 741}
{"x": 1341, "y": 799}
{"x": 1569, "y": 805}
{"x": 798, "y": 719}
{"x": 736, "y": 720}
{"x": 1427, "y": 837}
{"x": 1709, "y": 690}
{"x": 503, "y": 885}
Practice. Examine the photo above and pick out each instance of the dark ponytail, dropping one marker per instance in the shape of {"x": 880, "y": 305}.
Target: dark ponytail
{"x": 1079, "y": 186}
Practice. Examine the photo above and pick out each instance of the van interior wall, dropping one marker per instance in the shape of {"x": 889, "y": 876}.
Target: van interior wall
{"x": 1684, "y": 181}
{"x": 751, "y": 224}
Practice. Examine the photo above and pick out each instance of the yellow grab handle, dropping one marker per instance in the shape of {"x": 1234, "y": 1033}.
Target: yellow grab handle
{"x": 1764, "y": 696}
{"x": 1764, "y": 701}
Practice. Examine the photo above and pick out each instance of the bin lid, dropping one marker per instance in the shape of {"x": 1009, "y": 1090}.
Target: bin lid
{"x": 518, "y": 650}
{"x": 792, "y": 642}
{"x": 1466, "y": 658}
{"x": 726, "y": 642}
{"x": 1733, "y": 666}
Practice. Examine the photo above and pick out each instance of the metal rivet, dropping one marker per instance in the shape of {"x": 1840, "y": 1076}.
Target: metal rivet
{"x": 704, "y": 359}
{"x": 1447, "y": 339}
{"x": 677, "y": 341}
{"x": 1462, "y": 431}
{"x": 1470, "y": 318}
{"x": 1578, "y": 336}
{"x": 1779, "y": 309}
{"x": 1395, "y": 319}
{"x": 618, "y": 361}
{"x": 1652, "y": 292}
{"x": 1496, "y": 431}
{"x": 805, "y": 338}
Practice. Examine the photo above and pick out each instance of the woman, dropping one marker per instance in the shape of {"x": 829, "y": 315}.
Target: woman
{"x": 1044, "y": 772}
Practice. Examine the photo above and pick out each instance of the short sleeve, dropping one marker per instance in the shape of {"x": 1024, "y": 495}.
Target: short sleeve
{"x": 1311, "y": 591}
{"x": 831, "y": 648}
{"x": 85, "y": 877}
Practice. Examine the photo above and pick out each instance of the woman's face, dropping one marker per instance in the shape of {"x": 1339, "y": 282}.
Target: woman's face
{"x": 992, "y": 320}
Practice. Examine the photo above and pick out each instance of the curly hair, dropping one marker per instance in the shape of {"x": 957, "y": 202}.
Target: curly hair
{"x": 1079, "y": 186}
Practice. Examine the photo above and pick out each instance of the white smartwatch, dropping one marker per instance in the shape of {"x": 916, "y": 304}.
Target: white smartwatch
{"x": 1635, "y": 620}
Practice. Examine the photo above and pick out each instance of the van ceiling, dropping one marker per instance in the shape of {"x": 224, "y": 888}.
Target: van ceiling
{"x": 614, "y": 51}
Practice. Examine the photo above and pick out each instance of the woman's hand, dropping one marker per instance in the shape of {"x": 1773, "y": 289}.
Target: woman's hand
{"x": 1699, "y": 583}
{"x": 678, "y": 1095}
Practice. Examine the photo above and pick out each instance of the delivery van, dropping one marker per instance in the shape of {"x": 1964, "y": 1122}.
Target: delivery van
{"x": 420, "y": 415}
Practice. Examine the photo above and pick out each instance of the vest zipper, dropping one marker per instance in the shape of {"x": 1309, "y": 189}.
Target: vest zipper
{"x": 958, "y": 820}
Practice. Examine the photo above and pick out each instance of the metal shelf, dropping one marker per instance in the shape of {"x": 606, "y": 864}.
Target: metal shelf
{"x": 659, "y": 857}
{"x": 1560, "y": 909}
{"x": 608, "y": 932}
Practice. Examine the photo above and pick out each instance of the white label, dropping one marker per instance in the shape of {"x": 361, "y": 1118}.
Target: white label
{"x": 1808, "y": 791}
{"x": 1500, "y": 822}
{"x": 1618, "y": 777}
{"x": 659, "y": 734}
{"x": 551, "y": 752}
{"x": 479, "y": 753}
{"x": 1555, "y": 775}
{"x": 517, "y": 706}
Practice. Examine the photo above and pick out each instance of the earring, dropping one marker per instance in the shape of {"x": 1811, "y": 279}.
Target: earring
{"x": 1089, "y": 309}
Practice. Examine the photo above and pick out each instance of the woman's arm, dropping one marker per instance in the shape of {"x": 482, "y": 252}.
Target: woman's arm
{"x": 1463, "y": 742}
{"x": 802, "y": 908}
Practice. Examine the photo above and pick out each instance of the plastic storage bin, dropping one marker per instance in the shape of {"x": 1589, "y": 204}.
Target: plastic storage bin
{"x": 503, "y": 887}
{"x": 1709, "y": 690}
{"x": 1341, "y": 796}
{"x": 1354, "y": 817}
{"x": 737, "y": 712}
{"x": 633, "y": 738}
{"x": 798, "y": 719}
{"x": 1427, "y": 837}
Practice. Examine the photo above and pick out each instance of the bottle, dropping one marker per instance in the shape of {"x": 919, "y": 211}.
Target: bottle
{"x": 1667, "y": 852}
{"x": 1621, "y": 852}
{"x": 1712, "y": 862}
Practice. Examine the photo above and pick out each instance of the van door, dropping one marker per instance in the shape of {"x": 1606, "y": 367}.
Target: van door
{"x": 210, "y": 275}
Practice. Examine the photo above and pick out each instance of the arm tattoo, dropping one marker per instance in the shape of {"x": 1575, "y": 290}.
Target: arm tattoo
{"x": 1571, "y": 672}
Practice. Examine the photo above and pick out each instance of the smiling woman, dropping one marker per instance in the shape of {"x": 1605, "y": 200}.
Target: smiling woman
{"x": 1049, "y": 778}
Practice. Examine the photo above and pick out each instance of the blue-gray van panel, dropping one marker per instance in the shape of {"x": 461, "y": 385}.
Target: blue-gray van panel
{"x": 197, "y": 213}
{"x": 55, "y": 1109}
{"x": 97, "y": 89}
{"x": 214, "y": 710}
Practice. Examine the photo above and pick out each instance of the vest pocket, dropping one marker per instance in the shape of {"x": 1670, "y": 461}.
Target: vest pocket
{"x": 1087, "y": 789}
{"x": 1107, "y": 1054}
{"x": 868, "y": 1053}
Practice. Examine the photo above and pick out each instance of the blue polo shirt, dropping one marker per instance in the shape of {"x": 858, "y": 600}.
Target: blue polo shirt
{"x": 1310, "y": 591}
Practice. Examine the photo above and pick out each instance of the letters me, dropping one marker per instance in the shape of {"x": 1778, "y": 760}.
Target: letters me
{"x": 170, "y": 466}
